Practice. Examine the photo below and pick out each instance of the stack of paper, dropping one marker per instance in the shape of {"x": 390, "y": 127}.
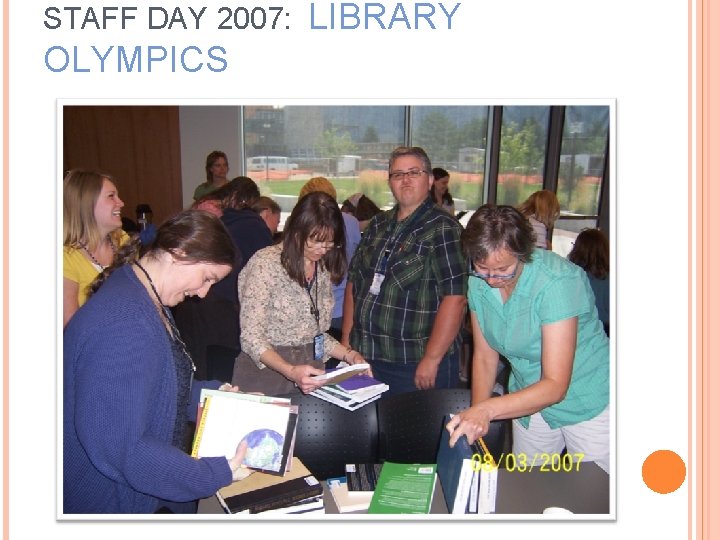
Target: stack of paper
{"x": 350, "y": 390}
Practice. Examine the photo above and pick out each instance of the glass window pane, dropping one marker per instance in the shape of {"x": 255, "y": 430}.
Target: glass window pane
{"x": 565, "y": 232}
{"x": 350, "y": 145}
{"x": 455, "y": 138}
{"x": 523, "y": 139}
{"x": 582, "y": 157}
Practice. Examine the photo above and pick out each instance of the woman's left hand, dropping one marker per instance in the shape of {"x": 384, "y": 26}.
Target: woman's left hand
{"x": 473, "y": 422}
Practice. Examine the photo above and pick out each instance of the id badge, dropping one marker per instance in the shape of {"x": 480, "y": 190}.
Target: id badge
{"x": 376, "y": 283}
{"x": 319, "y": 347}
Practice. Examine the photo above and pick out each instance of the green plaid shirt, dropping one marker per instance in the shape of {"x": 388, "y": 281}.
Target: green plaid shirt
{"x": 424, "y": 264}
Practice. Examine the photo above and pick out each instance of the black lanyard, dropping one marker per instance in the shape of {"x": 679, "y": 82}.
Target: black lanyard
{"x": 314, "y": 303}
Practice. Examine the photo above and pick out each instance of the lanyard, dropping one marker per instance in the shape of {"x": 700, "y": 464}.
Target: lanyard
{"x": 314, "y": 303}
{"x": 394, "y": 239}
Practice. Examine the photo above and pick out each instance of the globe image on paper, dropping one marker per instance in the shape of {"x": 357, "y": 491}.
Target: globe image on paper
{"x": 264, "y": 449}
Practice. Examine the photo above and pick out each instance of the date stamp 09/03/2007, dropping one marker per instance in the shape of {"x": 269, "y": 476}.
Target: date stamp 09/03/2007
{"x": 522, "y": 462}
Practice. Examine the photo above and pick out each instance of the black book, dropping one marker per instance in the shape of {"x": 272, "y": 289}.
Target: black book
{"x": 275, "y": 496}
{"x": 362, "y": 476}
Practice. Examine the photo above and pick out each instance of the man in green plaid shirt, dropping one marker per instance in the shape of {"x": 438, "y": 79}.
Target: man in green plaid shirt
{"x": 405, "y": 298}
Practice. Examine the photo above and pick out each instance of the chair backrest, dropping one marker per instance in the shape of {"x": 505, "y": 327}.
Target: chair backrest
{"x": 411, "y": 424}
{"x": 329, "y": 436}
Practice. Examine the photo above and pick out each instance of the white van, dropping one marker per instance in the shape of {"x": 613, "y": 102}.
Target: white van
{"x": 270, "y": 163}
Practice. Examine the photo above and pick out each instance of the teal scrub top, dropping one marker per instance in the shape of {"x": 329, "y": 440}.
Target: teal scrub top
{"x": 549, "y": 289}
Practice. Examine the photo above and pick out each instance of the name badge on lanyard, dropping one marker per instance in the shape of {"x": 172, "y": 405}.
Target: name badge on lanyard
{"x": 319, "y": 347}
{"x": 378, "y": 278}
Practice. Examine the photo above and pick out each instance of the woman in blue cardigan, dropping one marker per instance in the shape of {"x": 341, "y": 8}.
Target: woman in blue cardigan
{"x": 128, "y": 381}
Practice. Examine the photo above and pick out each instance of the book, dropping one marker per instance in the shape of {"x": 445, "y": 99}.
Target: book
{"x": 359, "y": 383}
{"x": 261, "y": 492}
{"x": 340, "y": 398}
{"x": 339, "y": 374}
{"x": 344, "y": 501}
{"x": 311, "y": 505}
{"x": 404, "y": 488}
{"x": 268, "y": 429}
{"x": 205, "y": 392}
{"x": 455, "y": 467}
{"x": 362, "y": 477}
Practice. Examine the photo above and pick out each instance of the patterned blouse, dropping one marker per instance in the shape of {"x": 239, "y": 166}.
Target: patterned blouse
{"x": 275, "y": 310}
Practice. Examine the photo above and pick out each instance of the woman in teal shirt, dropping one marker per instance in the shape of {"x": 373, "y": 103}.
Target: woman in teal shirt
{"x": 538, "y": 311}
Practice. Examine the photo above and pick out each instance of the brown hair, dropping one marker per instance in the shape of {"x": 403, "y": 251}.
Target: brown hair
{"x": 238, "y": 193}
{"x": 317, "y": 217}
{"x": 363, "y": 208}
{"x": 414, "y": 151}
{"x": 266, "y": 203}
{"x": 591, "y": 252}
{"x": 192, "y": 236}
{"x": 543, "y": 205}
{"x": 81, "y": 190}
{"x": 497, "y": 227}
{"x": 211, "y": 158}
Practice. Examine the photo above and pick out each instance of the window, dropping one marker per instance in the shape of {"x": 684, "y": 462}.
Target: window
{"x": 523, "y": 144}
{"x": 455, "y": 138}
{"x": 286, "y": 146}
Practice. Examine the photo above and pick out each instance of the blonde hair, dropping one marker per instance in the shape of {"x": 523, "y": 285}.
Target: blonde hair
{"x": 81, "y": 190}
{"x": 543, "y": 205}
{"x": 318, "y": 183}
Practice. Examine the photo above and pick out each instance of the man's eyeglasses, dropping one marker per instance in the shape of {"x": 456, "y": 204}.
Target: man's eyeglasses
{"x": 412, "y": 174}
{"x": 481, "y": 275}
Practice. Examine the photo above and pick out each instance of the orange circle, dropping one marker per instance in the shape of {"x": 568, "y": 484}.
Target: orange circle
{"x": 663, "y": 471}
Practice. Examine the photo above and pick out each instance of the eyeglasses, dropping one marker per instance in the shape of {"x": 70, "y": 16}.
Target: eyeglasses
{"x": 325, "y": 246}
{"x": 412, "y": 174}
{"x": 475, "y": 273}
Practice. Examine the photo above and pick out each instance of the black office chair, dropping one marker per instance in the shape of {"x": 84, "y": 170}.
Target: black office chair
{"x": 329, "y": 436}
{"x": 411, "y": 424}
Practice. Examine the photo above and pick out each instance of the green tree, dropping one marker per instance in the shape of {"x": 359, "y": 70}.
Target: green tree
{"x": 521, "y": 148}
{"x": 371, "y": 135}
{"x": 331, "y": 144}
{"x": 438, "y": 136}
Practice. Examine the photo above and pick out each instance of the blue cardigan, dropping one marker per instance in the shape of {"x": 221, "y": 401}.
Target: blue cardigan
{"x": 119, "y": 408}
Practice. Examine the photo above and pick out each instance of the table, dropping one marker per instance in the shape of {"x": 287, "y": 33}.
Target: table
{"x": 583, "y": 491}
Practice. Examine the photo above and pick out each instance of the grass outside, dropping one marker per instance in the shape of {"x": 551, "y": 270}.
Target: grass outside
{"x": 512, "y": 189}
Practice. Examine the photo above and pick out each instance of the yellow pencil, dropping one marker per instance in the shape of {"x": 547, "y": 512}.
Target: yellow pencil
{"x": 485, "y": 449}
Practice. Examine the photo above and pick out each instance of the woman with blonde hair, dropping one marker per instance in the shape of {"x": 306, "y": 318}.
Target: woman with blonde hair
{"x": 542, "y": 209}
{"x": 92, "y": 233}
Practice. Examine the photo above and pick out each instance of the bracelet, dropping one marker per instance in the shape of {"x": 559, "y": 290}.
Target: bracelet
{"x": 349, "y": 350}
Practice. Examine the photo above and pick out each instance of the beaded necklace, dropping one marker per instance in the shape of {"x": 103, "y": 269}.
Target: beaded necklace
{"x": 92, "y": 257}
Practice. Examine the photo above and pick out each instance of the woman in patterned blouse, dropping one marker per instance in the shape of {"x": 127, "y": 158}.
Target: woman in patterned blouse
{"x": 286, "y": 302}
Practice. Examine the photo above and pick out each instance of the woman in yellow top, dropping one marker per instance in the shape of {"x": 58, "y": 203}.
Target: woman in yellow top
{"x": 92, "y": 233}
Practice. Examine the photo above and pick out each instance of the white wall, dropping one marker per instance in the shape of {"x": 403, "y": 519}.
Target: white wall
{"x": 202, "y": 130}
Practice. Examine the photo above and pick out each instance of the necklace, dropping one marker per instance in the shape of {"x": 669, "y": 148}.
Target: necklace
{"x": 174, "y": 332}
{"x": 92, "y": 257}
